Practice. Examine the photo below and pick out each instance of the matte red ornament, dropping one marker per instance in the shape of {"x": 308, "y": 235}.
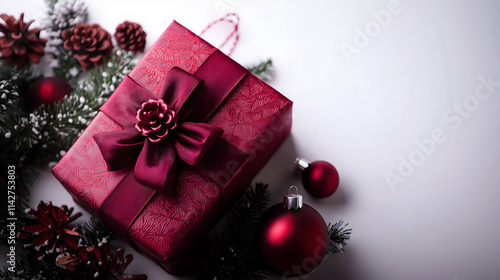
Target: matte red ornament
{"x": 319, "y": 178}
{"x": 48, "y": 91}
{"x": 292, "y": 237}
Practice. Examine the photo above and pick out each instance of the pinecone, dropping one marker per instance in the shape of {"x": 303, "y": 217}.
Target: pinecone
{"x": 20, "y": 44}
{"x": 96, "y": 263}
{"x": 130, "y": 37}
{"x": 91, "y": 44}
{"x": 47, "y": 229}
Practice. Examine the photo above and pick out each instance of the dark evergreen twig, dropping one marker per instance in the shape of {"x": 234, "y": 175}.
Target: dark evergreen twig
{"x": 8, "y": 94}
{"x": 263, "y": 70}
{"x": 64, "y": 65}
{"x": 94, "y": 231}
{"x": 14, "y": 85}
{"x": 338, "y": 237}
{"x": 234, "y": 255}
{"x": 13, "y": 75}
{"x": 46, "y": 133}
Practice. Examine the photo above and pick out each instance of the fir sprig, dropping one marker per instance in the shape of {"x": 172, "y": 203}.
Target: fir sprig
{"x": 95, "y": 231}
{"x": 14, "y": 85}
{"x": 234, "y": 254}
{"x": 263, "y": 70}
{"x": 338, "y": 235}
{"x": 48, "y": 131}
{"x": 8, "y": 95}
{"x": 11, "y": 74}
{"x": 62, "y": 15}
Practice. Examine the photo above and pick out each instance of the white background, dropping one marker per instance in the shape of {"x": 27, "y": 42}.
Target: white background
{"x": 365, "y": 112}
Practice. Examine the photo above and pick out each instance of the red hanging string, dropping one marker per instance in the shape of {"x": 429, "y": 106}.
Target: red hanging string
{"x": 234, "y": 20}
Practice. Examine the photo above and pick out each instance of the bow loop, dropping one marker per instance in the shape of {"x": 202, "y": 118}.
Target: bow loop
{"x": 119, "y": 148}
{"x": 177, "y": 87}
{"x": 194, "y": 140}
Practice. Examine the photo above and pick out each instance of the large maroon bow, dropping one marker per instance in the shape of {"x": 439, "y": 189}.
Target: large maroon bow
{"x": 157, "y": 130}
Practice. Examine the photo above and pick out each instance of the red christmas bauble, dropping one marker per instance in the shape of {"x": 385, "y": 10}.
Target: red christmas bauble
{"x": 48, "y": 91}
{"x": 319, "y": 178}
{"x": 292, "y": 241}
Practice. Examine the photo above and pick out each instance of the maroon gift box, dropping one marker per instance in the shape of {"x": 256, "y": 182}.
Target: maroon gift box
{"x": 254, "y": 119}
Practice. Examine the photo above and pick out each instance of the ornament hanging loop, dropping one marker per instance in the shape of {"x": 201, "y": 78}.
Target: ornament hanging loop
{"x": 293, "y": 200}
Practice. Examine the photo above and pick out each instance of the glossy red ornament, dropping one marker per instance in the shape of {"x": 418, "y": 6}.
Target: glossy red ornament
{"x": 292, "y": 237}
{"x": 319, "y": 178}
{"x": 48, "y": 91}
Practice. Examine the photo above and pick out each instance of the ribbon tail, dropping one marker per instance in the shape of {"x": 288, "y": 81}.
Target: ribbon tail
{"x": 194, "y": 140}
{"x": 155, "y": 166}
{"x": 119, "y": 148}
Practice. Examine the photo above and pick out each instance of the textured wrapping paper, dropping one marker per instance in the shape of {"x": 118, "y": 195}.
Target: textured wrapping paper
{"x": 252, "y": 119}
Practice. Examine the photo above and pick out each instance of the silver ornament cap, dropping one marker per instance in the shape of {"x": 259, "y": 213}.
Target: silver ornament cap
{"x": 293, "y": 200}
{"x": 301, "y": 163}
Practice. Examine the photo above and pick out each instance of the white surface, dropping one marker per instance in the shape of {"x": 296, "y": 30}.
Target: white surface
{"x": 365, "y": 117}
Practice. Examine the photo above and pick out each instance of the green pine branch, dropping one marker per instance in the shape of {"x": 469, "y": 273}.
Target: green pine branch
{"x": 11, "y": 74}
{"x": 234, "y": 254}
{"x": 248, "y": 209}
{"x": 47, "y": 132}
{"x": 8, "y": 95}
{"x": 263, "y": 70}
{"x": 14, "y": 85}
{"x": 68, "y": 67}
{"x": 95, "y": 231}
{"x": 60, "y": 18}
